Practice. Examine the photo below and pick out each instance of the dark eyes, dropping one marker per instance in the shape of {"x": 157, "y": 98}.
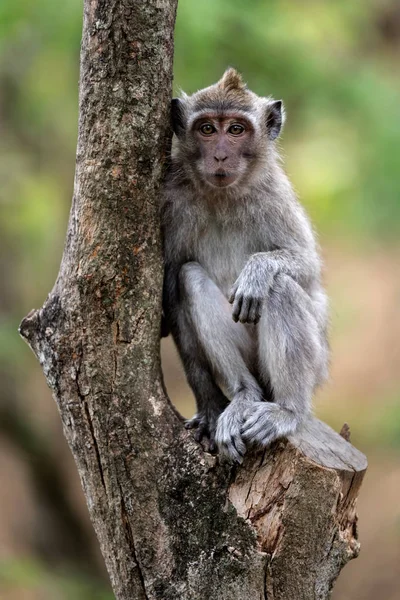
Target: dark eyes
{"x": 236, "y": 129}
{"x": 208, "y": 129}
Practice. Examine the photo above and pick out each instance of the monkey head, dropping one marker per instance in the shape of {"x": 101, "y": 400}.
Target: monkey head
{"x": 225, "y": 132}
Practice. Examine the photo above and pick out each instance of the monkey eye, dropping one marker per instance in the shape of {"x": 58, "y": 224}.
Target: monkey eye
{"x": 207, "y": 129}
{"x": 236, "y": 129}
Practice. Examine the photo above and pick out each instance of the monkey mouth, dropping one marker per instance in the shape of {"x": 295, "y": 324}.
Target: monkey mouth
{"x": 222, "y": 178}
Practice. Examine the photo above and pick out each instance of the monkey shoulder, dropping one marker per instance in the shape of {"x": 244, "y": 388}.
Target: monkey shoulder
{"x": 286, "y": 221}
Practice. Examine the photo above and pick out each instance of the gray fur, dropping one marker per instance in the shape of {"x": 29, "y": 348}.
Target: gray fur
{"x": 251, "y": 244}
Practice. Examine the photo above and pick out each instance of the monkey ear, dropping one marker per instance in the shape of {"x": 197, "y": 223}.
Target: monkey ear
{"x": 177, "y": 117}
{"x": 275, "y": 118}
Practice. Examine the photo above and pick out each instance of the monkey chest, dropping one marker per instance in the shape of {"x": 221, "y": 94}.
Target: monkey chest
{"x": 223, "y": 255}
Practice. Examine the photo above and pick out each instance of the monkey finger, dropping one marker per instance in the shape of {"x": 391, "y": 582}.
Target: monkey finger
{"x": 253, "y": 311}
{"x": 237, "y": 306}
{"x": 258, "y": 310}
{"x": 244, "y": 311}
{"x": 258, "y": 307}
{"x": 233, "y": 292}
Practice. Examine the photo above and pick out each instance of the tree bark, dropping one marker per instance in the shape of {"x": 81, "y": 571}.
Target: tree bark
{"x": 171, "y": 521}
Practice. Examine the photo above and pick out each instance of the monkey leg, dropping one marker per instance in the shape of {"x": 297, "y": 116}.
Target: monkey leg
{"x": 229, "y": 348}
{"x": 210, "y": 404}
{"x": 292, "y": 355}
{"x": 210, "y": 400}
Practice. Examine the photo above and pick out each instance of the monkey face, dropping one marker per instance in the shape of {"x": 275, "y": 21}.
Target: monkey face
{"x": 225, "y": 133}
{"x": 223, "y": 147}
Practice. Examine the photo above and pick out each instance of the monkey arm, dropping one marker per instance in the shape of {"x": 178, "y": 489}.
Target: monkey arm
{"x": 301, "y": 264}
{"x": 257, "y": 277}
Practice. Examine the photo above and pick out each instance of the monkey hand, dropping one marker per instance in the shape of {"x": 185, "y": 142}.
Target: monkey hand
{"x": 251, "y": 288}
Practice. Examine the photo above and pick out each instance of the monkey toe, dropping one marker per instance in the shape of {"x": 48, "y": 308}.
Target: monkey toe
{"x": 266, "y": 423}
{"x": 212, "y": 447}
{"x": 260, "y": 433}
{"x": 193, "y": 423}
{"x": 228, "y": 437}
{"x": 205, "y": 426}
{"x": 232, "y": 450}
{"x": 259, "y": 427}
{"x": 201, "y": 432}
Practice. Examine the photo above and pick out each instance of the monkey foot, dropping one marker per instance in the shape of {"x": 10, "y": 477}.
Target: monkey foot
{"x": 228, "y": 435}
{"x": 266, "y": 422}
{"x": 205, "y": 430}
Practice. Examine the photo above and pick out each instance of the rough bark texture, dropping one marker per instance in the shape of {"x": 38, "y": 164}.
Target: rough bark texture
{"x": 172, "y": 523}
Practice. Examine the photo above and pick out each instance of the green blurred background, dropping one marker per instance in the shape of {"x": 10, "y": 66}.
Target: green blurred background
{"x": 337, "y": 67}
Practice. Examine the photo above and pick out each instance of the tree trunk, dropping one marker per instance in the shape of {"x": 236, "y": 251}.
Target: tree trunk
{"x": 172, "y": 523}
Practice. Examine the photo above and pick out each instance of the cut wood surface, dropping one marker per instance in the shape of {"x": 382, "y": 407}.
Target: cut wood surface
{"x": 300, "y": 497}
{"x": 173, "y": 524}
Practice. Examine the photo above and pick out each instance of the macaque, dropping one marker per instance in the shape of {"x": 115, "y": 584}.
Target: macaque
{"x": 242, "y": 290}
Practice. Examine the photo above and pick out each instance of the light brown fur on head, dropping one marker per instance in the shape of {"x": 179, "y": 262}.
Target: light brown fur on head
{"x": 231, "y": 80}
{"x": 229, "y": 92}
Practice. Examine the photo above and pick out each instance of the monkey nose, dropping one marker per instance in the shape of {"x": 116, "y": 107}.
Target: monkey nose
{"x": 220, "y": 157}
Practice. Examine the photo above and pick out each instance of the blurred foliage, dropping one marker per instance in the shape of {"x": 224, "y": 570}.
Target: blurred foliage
{"x": 338, "y": 76}
{"x": 335, "y": 65}
{"x": 33, "y": 577}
